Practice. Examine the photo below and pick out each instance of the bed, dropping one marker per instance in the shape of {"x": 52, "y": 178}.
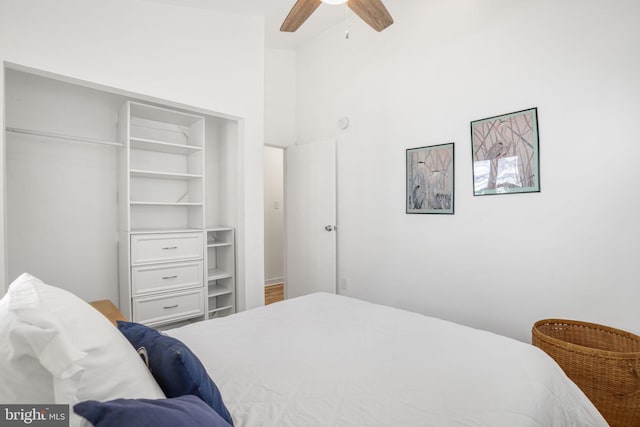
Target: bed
{"x": 317, "y": 360}
{"x": 329, "y": 360}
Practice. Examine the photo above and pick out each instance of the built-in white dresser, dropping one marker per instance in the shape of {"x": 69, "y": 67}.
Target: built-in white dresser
{"x": 165, "y": 248}
{"x": 166, "y": 277}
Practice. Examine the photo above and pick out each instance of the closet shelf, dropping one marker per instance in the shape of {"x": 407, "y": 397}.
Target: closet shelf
{"x": 162, "y": 175}
{"x": 165, "y": 147}
{"x": 61, "y": 136}
{"x": 163, "y": 230}
{"x": 164, "y": 204}
{"x": 216, "y": 291}
{"x": 218, "y": 244}
{"x": 217, "y": 274}
{"x": 214, "y": 311}
{"x": 164, "y": 115}
{"x": 219, "y": 228}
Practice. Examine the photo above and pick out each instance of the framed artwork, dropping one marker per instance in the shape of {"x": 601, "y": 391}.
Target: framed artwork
{"x": 505, "y": 152}
{"x": 430, "y": 182}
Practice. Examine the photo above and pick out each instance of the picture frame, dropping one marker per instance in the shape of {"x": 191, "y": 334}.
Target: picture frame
{"x": 430, "y": 179}
{"x": 505, "y": 153}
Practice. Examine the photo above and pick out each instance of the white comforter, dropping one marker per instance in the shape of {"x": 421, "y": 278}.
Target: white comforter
{"x": 328, "y": 360}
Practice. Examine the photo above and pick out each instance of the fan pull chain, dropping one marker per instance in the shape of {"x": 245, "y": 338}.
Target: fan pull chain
{"x": 346, "y": 12}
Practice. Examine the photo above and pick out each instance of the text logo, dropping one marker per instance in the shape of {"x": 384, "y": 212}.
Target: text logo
{"x": 34, "y": 415}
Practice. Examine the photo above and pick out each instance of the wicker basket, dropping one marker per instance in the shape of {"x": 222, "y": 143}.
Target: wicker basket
{"x": 604, "y": 362}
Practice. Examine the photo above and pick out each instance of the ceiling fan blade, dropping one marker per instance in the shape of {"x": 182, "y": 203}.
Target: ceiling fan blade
{"x": 372, "y": 12}
{"x": 298, "y": 14}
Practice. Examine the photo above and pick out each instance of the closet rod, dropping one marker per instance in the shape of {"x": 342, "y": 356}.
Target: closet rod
{"x": 62, "y": 136}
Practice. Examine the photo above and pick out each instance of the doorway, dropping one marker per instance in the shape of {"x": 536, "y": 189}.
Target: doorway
{"x": 300, "y": 220}
{"x": 274, "y": 226}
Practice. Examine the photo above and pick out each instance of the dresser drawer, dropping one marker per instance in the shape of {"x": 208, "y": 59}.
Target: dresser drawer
{"x": 166, "y": 277}
{"x": 149, "y": 248}
{"x": 154, "y": 310}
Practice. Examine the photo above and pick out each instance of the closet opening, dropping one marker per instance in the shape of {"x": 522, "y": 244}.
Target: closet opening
{"x": 90, "y": 171}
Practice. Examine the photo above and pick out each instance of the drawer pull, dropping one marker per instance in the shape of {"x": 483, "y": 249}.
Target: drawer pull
{"x": 170, "y": 306}
{"x": 166, "y": 248}
{"x": 170, "y": 277}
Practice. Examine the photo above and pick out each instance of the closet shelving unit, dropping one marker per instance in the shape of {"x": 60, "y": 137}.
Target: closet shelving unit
{"x": 162, "y": 205}
{"x": 165, "y": 169}
{"x": 220, "y": 271}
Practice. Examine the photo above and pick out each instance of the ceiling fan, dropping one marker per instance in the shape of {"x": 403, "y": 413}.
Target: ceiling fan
{"x": 372, "y": 12}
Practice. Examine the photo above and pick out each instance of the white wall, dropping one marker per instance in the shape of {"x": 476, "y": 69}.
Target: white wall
{"x": 279, "y": 97}
{"x": 202, "y": 58}
{"x": 273, "y": 215}
{"x": 501, "y": 262}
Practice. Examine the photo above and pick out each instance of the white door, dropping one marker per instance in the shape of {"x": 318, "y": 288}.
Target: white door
{"x": 310, "y": 218}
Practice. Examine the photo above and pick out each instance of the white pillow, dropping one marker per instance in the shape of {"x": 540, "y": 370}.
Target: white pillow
{"x": 56, "y": 348}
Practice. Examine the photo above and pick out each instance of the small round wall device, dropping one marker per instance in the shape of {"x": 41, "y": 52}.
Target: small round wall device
{"x": 343, "y": 123}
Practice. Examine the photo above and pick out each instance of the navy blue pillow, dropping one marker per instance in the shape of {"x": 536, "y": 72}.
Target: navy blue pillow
{"x": 176, "y": 369}
{"x": 179, "y": 411}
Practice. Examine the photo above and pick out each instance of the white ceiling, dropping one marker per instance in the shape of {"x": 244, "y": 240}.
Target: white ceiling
{"x": 274, "y": 12}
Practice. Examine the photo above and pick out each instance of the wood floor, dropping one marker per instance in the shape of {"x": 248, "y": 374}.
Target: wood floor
{"x": 273, "y": 293}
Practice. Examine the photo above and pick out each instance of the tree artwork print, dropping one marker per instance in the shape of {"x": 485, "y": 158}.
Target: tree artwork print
{"x": 505, "y": 152}
{"x": 430, "y": 180}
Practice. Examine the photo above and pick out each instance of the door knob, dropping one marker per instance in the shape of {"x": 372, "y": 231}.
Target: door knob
{"x": 330, "y": 227}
